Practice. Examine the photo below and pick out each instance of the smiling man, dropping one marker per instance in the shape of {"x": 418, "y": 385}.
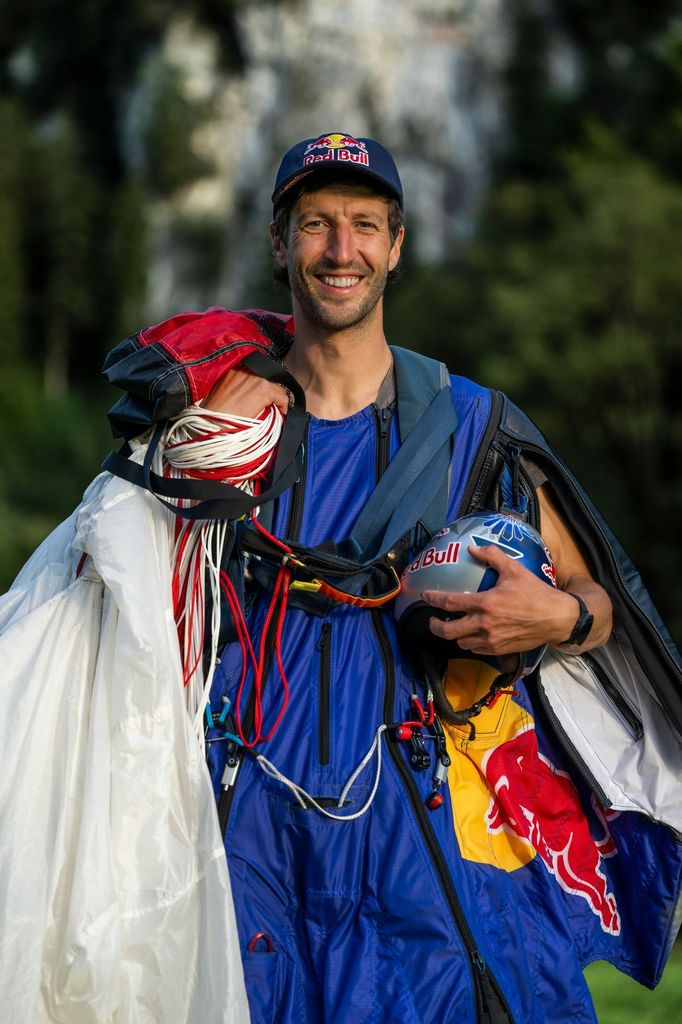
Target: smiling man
{"x": 395, "y": 858}
{"x": 487, "y": 908}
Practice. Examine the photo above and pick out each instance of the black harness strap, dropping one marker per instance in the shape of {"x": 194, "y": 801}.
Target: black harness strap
{"x": 220, "y": 500}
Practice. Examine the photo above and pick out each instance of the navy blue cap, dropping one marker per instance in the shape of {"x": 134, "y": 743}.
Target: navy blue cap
{"x": 336, "y": 152}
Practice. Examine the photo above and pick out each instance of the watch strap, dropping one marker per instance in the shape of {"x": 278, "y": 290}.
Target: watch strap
{"x": 583, "y": 625}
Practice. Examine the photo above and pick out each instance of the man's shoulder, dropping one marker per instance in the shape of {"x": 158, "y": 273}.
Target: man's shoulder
{"x": 466, "y": 390}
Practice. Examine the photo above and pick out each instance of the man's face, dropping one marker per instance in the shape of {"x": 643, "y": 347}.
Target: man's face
{"x": 338, "y": 254}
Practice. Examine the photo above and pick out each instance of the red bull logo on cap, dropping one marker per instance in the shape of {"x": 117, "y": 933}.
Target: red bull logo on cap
{"x": 336, "y": 147}
{"x": 517, "y": 805}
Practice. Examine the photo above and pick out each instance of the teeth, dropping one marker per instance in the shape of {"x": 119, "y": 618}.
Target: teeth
{"x": 340, "y": 282}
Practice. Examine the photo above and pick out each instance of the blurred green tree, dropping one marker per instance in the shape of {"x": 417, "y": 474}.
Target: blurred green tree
{"x": 73, "y": 228}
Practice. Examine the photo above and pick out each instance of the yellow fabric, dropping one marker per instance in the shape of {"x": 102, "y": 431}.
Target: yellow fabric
{"x": 467, "y": 680}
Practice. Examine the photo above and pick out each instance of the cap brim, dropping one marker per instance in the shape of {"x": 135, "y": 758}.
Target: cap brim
{"x": 325, "y": 168}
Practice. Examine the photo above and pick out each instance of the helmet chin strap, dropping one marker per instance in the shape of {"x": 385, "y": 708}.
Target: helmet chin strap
{"x": 464, "y": 716}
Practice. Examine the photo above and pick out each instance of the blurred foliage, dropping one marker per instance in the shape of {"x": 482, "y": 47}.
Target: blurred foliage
{"x": 74, "y": 205}
{"x": 169, "y": 120}
{"x": 50, "y": 448}
{"x": 567, "y": 299}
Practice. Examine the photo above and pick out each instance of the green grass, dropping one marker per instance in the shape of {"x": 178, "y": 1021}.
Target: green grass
{"x": 619, "y": 1000}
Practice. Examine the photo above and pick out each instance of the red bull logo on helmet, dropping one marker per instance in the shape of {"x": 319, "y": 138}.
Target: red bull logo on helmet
{"x": 549, "y": 569}
{"x": 511, "y": 804}
{"x": 432, "y": 556}
{"x": 336, "y": 147}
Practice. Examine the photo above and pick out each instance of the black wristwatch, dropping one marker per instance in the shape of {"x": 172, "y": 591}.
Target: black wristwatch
{"x": 583, "y": 625}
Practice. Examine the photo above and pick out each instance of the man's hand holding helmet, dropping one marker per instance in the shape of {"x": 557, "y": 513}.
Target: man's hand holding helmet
{"x": 518, "y": 614}
{"x": 496, "y": 600}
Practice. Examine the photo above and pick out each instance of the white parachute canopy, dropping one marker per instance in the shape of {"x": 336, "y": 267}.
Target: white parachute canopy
{"x": 116, "y": 903}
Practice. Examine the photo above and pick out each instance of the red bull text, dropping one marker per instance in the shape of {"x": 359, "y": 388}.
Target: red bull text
{"x": 430, "y": 556}
{"x": 336, "y": 147}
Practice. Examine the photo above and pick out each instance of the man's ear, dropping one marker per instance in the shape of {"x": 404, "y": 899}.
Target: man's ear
{"x": 279, "y": 249}
{"x": 394, "y": 255}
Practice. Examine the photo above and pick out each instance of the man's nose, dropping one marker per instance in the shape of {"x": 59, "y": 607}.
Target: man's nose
{"x": 340, "y": 245}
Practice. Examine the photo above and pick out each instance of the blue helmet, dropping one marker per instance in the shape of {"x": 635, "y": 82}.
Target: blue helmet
{"x": 445, "y": 564}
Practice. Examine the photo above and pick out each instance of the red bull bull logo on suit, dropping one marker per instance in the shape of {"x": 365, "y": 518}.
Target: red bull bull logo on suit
{"x": 538, "y": 803}
{"x": 511, "y": 804}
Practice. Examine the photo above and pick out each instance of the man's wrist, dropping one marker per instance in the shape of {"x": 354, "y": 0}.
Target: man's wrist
{"x": 583, "y": 624}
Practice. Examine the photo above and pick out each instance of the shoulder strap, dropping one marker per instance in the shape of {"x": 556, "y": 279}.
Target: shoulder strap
{"x": 414, "y": 487}
{"x": 417, "y": 377}
{"x": 418, "y": 380}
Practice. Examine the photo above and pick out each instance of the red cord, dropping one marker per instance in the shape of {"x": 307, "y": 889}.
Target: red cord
{"x": 194, "y": 602}
{"x": 270, "y": 536}
{"x": 280, "y": 593}
{"x": 284, "y": 576}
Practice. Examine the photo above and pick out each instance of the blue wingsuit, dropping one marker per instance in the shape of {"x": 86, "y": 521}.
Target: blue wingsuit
{"x": 557, "y": 843}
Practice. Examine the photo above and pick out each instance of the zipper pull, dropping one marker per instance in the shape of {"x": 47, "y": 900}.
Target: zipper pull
{"x": 478, "y": 961}
{"x": 298, "y": 478}
{"x": 324, "y": 633}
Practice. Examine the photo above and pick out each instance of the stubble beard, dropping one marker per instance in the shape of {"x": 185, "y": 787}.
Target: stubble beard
{"x": 324, "y": 313}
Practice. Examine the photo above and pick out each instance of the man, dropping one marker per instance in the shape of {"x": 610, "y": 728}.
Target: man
{"x": 358, "y": 896}
{"x": 400, "y": 914}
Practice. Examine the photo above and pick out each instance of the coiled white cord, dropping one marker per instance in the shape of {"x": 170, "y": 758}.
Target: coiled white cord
{"x": 232, "y": 449}
{"x": 203, "y": 439}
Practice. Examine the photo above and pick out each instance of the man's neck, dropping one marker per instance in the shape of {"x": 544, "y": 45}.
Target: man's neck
{"x": 340, "y": 371}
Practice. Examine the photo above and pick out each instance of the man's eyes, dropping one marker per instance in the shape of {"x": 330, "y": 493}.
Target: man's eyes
{"x": 318, "y": 224}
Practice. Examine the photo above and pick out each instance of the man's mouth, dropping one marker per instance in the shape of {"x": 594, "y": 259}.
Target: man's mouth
{"x": 339, "y": 282}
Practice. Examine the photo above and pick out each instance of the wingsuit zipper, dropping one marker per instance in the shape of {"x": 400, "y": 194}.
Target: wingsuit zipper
{"x": 324, "y": 647}
{"x": 477, "y": 965}
{"x": 382, "y": 420}
{"x": 613, "y": 694}
{"x": 484, "y": 457}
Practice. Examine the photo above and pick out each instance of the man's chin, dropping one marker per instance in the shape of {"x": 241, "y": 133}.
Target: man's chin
{"x": 337, "y": 314}
{"x": 337, "y": 319}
